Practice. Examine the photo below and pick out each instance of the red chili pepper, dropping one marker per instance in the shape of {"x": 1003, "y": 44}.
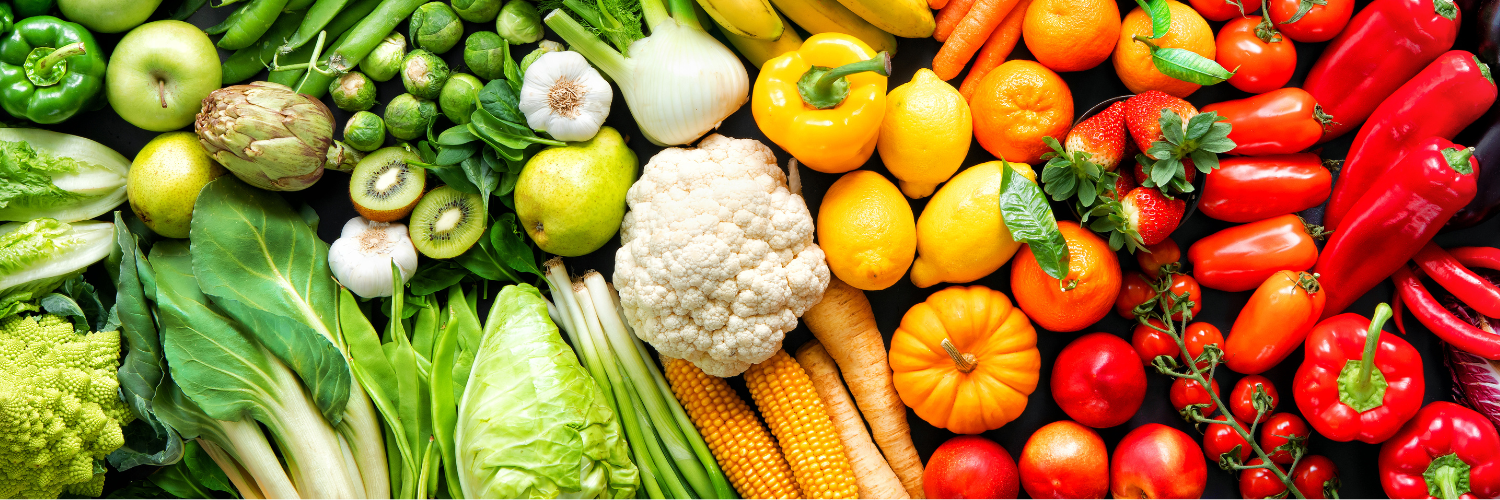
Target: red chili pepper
{"x": 1243, "y": 257}
{"x": 1282, "y": 121}
{"x": 1356, "y": 383}
{"x": 1480, "y": 257}
{"x": 1386, "y": 44}
{"x": 1401, "y": 213}
{"x": 1274, "y": 322}
{"x": 1443, "y": 323}
{"x": 1447, "y": 96}
{"x": 1447, "y": 451}
{"x": 1469, "y": 288}
{"x": 1252, "y": 188}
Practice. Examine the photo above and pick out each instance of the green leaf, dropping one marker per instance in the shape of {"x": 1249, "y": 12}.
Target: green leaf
{"x": 1303, "y": 8}
{"x": 452, "y": 155}
{"x": 1200, "y": 124}
{"x": 1161, "y": 16}
{"x": 1185, "y": 65}
{"x": 455, "y": 136}
{"x": 1030, "y": 220}
{"x": 1204, "y": 161}
{"x": 435, "y": 275}
{"x": 510, "y": 244}
{"x": 196, "y": 476}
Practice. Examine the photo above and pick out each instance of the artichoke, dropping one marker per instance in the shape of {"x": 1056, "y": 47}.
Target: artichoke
{"x": 459, "y": 98}
{"x": 365, "y": 131}
{"x": 435, "y": 27}
{"x": 385, "y": 61}
{"x": 485, "y": 53}
{"x": 407, "y": 117}
{"x": 353, "y": 92}
{"x": 267, "y": 134}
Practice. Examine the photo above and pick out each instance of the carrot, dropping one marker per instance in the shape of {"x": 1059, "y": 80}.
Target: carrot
{"x": 949, "y": 16}
{"x": 937, "y": 4}
{"x": 871, "y": 472}
{"x": 1002, "y": 41}
{"x": 970, "y": 33}
{"x": 844, "y": 323}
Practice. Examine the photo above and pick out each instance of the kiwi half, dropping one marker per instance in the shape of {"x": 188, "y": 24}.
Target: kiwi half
{"x": 447, "y": 222}
{"x": 385, "y": 186}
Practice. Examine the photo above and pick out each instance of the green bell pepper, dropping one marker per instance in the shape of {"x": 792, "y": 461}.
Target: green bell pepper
{"x": 50, "y": 69}
{"x": 32, "y": 8}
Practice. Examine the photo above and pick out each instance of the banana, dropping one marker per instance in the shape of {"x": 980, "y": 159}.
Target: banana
{"x": 745, "y": 18}
{"x": 903, "y": 18}
{"x": 825, "y": 16}
{"x": 760, "y": 51}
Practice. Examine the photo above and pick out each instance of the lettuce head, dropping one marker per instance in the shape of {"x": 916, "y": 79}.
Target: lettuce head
{"x": 37, "y": 256}
{"x": 52, "y": 175}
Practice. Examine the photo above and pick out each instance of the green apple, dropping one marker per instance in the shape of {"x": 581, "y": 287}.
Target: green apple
{"x": 107, "y": 16}
{"x": 570, "y": 199}
{"x": 160, "y": 73}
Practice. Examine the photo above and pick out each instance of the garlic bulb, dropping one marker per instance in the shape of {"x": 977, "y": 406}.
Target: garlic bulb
{"x": 564, "y": 96}
{"x": 361, "y": 257}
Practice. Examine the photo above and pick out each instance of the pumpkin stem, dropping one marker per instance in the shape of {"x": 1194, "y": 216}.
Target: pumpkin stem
{"x": 966, "y": 362}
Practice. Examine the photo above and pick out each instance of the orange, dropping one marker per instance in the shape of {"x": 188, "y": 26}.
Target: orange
{"x": 1082, "y": 298}
{"x": 1016, "y": 105}
{"x": 1133, "y": 59}
{"x": 1071, "y": 35}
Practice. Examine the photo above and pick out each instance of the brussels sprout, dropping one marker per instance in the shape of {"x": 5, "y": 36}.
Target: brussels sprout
{"x": 519, "y": 23}
{"x": 485, "y": 53}
{"x": 353, "y": 92}
{"x": 435, "y": 27}
{"x": 460, "y": 97}
{"x": 546, "y": 47}
{"x": 385, "y": 61}
{"x": 477, "y": 11}
{"x": 423, "y": 74}
{"x": 364, "y": 131}
{"x": 408, "y": 116}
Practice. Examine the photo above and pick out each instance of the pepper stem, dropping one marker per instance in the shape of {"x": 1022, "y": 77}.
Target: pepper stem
{"x": 966, "y": 362}
{"x": 1447, "y": 477}
{"x": 57, "y": 56}
{"x": 1361, "y": 385}
{"x": 46, "y": 66}
{"x": 1457, "y": 158}
{"x": 822, "y": 87}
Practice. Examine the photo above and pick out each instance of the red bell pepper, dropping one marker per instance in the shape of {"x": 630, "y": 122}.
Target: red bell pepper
{"x": 1444, "y": 324}
{"x": 1447, "y": 451}
{"x": 1385, "y": 45}
{"x": 1248, "y": 189}
{"x": 1243, "y": 257}
{"x": 1402, "y": 211}
{"x": 1354, "y": 382}
{"x": 1447, "y": 96}
{"x": 1279, "y": 122}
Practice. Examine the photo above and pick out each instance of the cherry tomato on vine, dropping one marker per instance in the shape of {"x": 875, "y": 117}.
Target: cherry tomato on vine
{"x": 1134, "y": 291}
{"x": 1184, "y": 284}
{"x": 1155, "y": 257}
{"x": 1241, "y": 399}
{"x": 1150, "y": 342}
{"x": 1320, "y": 24}
{"x": 1198, "y": 335}
{"x": 1186, "y": 391}
{"x": 1219, "y": 439}
{"x": 1261, "y": 58}
{"x": 1316, "y": 477}
{"x": 1261, "y": 482}
{"x": 1276, "y": 431}
{"x": 1222, "y": 10}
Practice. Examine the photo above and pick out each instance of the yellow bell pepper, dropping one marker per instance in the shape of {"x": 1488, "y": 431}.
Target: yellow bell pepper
{"x": 823, "y": 102}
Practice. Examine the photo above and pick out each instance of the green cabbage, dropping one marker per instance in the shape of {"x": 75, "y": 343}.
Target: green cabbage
{"x": 532, "y": 423}
{"x": 37, "y": 256}
{"x": 58, "y": 176}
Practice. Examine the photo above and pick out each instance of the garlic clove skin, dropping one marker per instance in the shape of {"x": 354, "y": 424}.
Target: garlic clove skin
{"x": 566, "y": 97}
{"x": 361, "y": 258}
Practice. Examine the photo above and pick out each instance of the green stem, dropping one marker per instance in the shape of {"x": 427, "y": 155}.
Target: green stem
{"x": 1363, "y": 384}
{"x": 823, "y": 88}
{"x": 57, "y": 56}
{"x": 654, "y": 11}
{"x": 585, "y": 42}
{"x": 685, "y": 14}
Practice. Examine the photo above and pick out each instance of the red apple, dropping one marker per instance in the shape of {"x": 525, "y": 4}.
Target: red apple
{"x": 1098, "y": 380}
{"x": 1156, "y": 461}
{"x": 1065, "y": 460}
{"x": 970, "y": 467}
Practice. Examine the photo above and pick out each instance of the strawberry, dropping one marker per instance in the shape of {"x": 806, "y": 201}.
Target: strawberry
{"x": 1190, "y": 172}
{"x": 1143, "y": 115}
{"x": 1125, "y": 183}
{"x": 1102, "y": 136}
{"x": 1150, "y": 215}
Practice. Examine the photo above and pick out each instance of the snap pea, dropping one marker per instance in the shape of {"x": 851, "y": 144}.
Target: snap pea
{"x": 297, "y": 5}
{"x": 355, "y": 11}
{"x": 357, "y": 44}
{"x": 318, "y": 16}
{"x": 251, "y": 22}
{"x": 220, "y": 28}
{"x": 246, "y": 62}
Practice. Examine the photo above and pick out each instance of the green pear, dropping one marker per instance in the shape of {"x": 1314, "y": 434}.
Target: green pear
{"x": 164, "y": 181}
{"x": 570, "y": 199}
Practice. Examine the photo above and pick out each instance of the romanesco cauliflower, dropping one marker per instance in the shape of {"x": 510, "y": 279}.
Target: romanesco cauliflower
{"x": 59, "y": 407}
{"x": 717, "y": 259}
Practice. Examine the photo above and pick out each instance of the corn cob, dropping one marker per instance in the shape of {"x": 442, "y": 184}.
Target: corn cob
{"x": 742, "y": 446}
{"x": 786, "y": 398}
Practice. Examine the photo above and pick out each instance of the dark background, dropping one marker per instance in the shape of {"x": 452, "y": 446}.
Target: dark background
{"x": 1356, "y": 461}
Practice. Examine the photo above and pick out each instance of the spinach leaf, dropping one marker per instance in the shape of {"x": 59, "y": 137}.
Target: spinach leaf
{"x": 434, "y": 275}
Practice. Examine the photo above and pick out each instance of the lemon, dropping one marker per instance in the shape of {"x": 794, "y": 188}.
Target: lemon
{"x": 925, "y": 134}
{"x": 867, "y": 231}
{"x": 960, "y": 236}
{"x": 164, "y": 181}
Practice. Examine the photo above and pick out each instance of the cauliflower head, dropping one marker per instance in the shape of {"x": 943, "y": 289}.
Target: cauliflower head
{"x": 59, "y": 405}
{"x": 717, "y": 259}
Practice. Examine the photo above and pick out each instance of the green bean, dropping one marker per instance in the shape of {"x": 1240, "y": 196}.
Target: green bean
{"x": 254, "y": 20}
{"x": 359, "y": 42}
{"x": 246, "y": 62}
{"x": 318, "y": 16}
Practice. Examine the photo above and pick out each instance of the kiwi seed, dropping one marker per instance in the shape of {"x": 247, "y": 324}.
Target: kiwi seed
{"x": 447, "y": 222}
{"x": 385, "y": 187}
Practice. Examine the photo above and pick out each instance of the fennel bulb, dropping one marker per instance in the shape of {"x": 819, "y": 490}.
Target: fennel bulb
{"x": 679, "y": 82}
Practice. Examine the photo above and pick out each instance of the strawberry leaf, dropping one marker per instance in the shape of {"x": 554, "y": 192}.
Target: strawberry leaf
{"x": 1163, "y": 171}
{"x": 1205, "y": 161}
{"x": 1029, "y": 218}
{"x": 1201, "y": 124}
{"x": 1087, "y": 193}
{"x": 1171, "y": 126}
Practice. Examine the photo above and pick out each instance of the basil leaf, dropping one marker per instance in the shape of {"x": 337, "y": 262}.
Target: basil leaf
{"x": 1186, "y": 65}
{"x": 1029, "y": 218}
{"x": 1161, "y": 16}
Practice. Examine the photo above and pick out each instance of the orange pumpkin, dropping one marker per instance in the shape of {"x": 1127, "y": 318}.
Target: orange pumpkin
{"x": 965, "y": 359}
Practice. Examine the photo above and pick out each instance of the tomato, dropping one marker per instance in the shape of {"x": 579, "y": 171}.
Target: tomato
{"x": 1134, "y": 291}
{"x": 1243, "y": 257}
{"x": 1320, "y": 24}
{"x": 1184, "y": 284}
{"x": 1261, "y": 483}
{"x": 1150, "y": 342}
{"x": 1274, "y": 322}
{"x": 1316, "y": 477}
{"x": 1097, "y": 380}
{"x": 1198, "y": 335}
{"x": 1222, "y": 10}
{"x": 1164, "y": 256}
{"x": 1252, "y": 188}
{"x": 1265, "y": 59}
{"x": 1280, "y": 430}
{"x": 1219, "y": 439}
{"x": 1186, "y": 391}
{"x": 1242, "y": 402}
{"x": 1279, "y": 122}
